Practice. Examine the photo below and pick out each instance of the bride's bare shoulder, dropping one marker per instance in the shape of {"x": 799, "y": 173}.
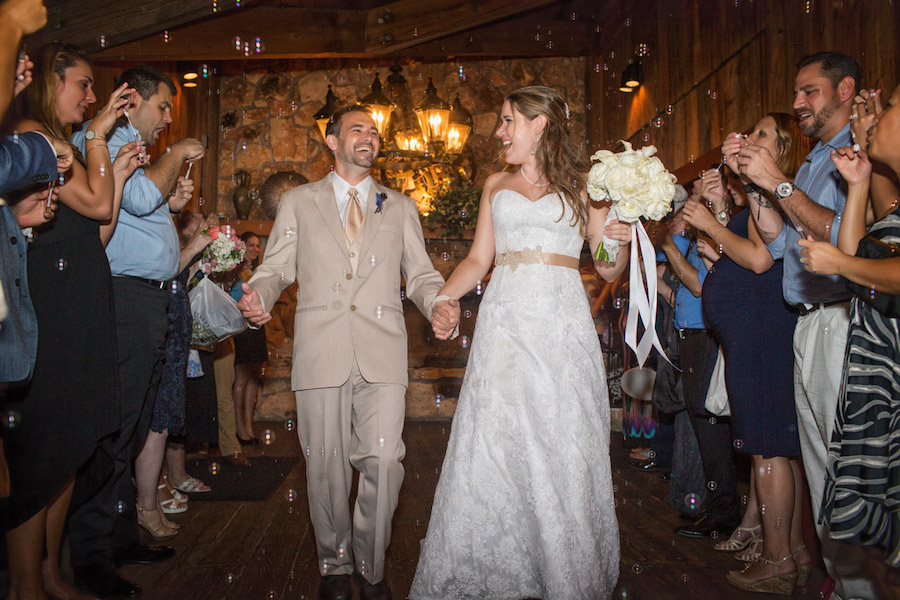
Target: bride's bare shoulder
{"x": 496, "y": 182}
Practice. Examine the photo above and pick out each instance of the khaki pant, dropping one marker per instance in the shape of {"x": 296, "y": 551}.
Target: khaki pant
{"x": 224, "y": 371}
{"x": 819, "y": 343}
{"x": 355, "y": 426}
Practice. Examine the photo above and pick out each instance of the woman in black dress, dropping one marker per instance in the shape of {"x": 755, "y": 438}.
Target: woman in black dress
{"x": 742, "y": 304}
{"x": 250, "y": 352}
{"x": 861, "y": 504}
{"x": 71, "y": 403}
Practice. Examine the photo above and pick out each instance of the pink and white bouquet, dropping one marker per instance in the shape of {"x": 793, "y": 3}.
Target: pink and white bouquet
{"x": 226, "y": 250}
{"x": 636, "y": 183}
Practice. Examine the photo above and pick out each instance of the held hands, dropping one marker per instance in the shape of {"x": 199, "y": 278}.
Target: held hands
{"x": 699, "y": 216}
{"x": 444, "y": 317}
{"x": 820, "y": 257}
{"x": 251, "y": 306}
{"x": 854, "y": 166}
{"x": 34, "y": 209}
{"x": 619, "y": 231}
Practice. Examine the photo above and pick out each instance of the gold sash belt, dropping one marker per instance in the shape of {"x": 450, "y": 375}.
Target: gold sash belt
{"x": 535, "y": 257}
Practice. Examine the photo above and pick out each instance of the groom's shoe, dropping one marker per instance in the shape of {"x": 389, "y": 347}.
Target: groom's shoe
{"x": 706, "y": 527}
{"x": 373, "y": 591}
{"x": 335, "y": 587}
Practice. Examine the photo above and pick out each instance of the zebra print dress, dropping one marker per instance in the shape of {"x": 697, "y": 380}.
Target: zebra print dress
{"x": 861, "y": 503}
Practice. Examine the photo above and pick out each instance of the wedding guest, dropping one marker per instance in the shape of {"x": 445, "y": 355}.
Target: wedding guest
{"x": 696, "y": 354}
{"x": 813, "y": 204}
{"x": 143, "y": 255}
{"x": 168, "y": 410}
{"x": 859, "y": 504}
{"x": 69, "y": 406}
{"x": 742, "y": 304}
{"x": 250, "y": 352}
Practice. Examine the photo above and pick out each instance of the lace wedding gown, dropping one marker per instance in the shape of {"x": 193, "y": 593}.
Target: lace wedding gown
{"x": 524, "y": 507}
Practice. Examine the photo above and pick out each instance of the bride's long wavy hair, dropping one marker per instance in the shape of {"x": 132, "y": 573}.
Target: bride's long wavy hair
{"x": 559, "y": 157}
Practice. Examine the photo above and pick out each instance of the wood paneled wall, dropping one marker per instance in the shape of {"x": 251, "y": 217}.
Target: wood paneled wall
{"x": 721, "y": 64}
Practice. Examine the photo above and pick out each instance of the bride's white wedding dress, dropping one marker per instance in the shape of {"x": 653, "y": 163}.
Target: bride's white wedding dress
{"x": 524, "y": 507}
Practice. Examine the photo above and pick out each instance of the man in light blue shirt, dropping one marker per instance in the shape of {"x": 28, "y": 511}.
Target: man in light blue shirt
{"x": 143, "y": 257}
{"x": 812, "y": 205}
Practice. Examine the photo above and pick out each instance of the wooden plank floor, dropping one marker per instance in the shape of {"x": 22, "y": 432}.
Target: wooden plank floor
{"x": 266, "y": 550}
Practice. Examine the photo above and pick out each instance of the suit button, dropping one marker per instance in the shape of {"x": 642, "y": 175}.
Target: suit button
{"x": 352, "y": 254}
{"x": 13, "y": 241}
{"x": 349, "y": 275}
{"x": 17, "y": 282}
{"x": 353, "y": 307}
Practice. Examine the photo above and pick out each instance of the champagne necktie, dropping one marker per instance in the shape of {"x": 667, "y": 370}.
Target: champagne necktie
{"x": 354, "y": 222}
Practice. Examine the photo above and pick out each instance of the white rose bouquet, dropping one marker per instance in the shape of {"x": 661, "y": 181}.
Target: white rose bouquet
{"x": 638, "y": 186}
{"x": 636, "y": 183}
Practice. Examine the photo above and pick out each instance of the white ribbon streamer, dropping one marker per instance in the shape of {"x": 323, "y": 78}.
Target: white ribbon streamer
{"x": 642, "y": 302}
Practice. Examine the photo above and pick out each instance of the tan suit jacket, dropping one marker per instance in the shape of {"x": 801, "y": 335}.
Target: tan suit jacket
{"x": 348, "y": 299}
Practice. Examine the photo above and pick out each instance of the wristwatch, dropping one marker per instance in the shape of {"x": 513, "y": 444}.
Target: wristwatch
{"x": 90, "y": 134}
{"x": 723, "y": 214}
{"x": 784, "y": 189}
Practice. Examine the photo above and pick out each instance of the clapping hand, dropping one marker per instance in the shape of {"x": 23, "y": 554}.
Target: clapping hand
{"x": 251, "y": 306}
{"x": 820, "y": 257}
{"x": 444, "y": 318}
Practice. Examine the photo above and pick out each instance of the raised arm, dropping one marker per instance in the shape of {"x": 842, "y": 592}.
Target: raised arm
{"x": 749, "y": 252}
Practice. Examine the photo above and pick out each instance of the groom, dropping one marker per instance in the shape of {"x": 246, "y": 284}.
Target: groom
{"x": 345, "y": 240}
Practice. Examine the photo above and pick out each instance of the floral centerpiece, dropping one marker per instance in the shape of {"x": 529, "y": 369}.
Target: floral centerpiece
{"x": 226, "y": 250}
{"x": 637, "y": 185}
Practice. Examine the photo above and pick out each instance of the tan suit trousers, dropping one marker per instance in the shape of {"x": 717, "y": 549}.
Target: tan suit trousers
{"x": 355, "y": 426}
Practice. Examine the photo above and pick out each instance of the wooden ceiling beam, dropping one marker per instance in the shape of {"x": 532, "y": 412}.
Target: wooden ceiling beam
{"x": 408, "y": 23}
{"x": 83, "y": 22}
{"x": 321, "y": 33}
{"x": 284, "y": 32}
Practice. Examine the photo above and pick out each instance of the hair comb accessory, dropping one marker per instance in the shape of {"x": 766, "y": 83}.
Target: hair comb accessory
{"x": 566, "y": 106}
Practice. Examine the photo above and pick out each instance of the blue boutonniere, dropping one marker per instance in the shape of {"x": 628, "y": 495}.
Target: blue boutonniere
{"x": 380, "y": 197}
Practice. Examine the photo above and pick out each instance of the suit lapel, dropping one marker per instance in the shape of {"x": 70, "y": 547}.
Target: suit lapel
{"x": 373, "y": 218}
{"x": 323, "y": 196}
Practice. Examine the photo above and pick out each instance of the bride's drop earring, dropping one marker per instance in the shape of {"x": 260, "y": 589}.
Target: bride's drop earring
{"x": 534, "y": 147}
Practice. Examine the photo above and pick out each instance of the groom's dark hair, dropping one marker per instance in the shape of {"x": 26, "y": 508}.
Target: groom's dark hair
{"x": 333, "y": 127}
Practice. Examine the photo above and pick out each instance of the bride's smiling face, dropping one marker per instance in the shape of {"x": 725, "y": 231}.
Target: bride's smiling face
{"x": 516, "y": 132}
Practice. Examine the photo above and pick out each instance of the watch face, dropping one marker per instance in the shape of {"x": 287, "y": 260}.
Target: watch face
{"x": 89, "y": 135}
{"x": 784, "y": 189}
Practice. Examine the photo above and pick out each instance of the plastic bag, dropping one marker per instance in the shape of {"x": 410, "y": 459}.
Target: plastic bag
{"x": 216, "y": 315}
{"x": 717, "y": 396}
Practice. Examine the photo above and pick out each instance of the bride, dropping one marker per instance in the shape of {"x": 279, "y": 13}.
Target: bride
{"x": 524, "y": 507}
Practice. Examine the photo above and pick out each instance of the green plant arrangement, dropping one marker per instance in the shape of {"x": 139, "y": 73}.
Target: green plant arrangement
{"x": 454, "y": 211}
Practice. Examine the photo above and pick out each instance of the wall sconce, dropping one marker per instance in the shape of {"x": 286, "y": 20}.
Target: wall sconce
{"x": 633, "y": 75}
{"x": 379, "y": 106}
{"x": 324, "y": 114}
{"x": 433, "y": 115}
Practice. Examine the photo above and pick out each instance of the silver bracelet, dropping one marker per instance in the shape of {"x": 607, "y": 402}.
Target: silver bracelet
{"x": 440, "y": 298}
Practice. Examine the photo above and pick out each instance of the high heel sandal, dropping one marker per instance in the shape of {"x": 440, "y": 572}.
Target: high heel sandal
{"x": 803, "y": 569}
{"x": 740, "y": 539}
{"x": 780, "y": 583}
{"x": 752, "y": 552}
{"x": 152, "y": 521}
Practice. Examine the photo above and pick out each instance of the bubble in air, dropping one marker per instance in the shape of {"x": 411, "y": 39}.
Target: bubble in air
{"x": 378, "y": 312}
{"x": 103, "y": 41}
{"x": 291, "y": 495}
{"x": 464, "y": 341}
{"x": 290, "y": 425}
{"x": 445, "y": 256}
{"x": 214, "y": 468}
{"x": 670, "y": 109}
{"x": 268, "y": 437}
{"x": 738, "y": 444}
{"x": 61, "y": 264}
{"x": 468, "y": 314}
{"x": 11, "y": 419}
{"x": 637, "y": 569}
{"x": 711, "y": 485}
{"x": 337, "y": 288}
{"x": 120, "y": 507}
